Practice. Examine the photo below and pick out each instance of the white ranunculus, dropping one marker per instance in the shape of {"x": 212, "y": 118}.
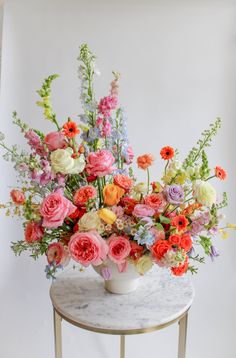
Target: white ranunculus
{"x": 204, "y": 193}
{"x": 62, "y": 162}
{"x": 90, "y": 221}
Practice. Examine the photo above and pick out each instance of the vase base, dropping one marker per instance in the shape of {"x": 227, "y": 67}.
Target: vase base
{"x": 121, "y": 287}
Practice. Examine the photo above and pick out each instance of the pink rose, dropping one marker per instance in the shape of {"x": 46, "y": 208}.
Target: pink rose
{"x": 156, "y": 201}
{"x": 58, "y": 254}
{"x": 55, "y": 208}
{"x": 55, "y": 140}
{"x": 119, "y": 248}
{"x": 33, "y": 232}
{"x": 100, "y": 163}
{"x": 88, "y": 248}
{"x": 18, "y": 197}
{"x": 142, "y": 210}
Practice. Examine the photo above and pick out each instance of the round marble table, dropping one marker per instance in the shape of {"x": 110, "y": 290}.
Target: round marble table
{"x": 160, "y": 300}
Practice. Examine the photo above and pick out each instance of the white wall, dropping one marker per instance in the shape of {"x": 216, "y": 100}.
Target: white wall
{"x": 177, "y": 60}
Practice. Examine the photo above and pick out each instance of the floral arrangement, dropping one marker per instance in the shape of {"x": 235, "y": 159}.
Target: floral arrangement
{"x": 80, "y": 200}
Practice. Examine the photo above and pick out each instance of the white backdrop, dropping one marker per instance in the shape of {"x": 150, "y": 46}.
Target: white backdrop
{"x": 177, "y": 60}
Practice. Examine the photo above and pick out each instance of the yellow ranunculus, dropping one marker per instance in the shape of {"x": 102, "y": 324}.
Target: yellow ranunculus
{"x": 107, "y": 215}
{"x": 144, "y": 264}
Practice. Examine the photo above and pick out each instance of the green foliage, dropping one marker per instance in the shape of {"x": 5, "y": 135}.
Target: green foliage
{"x": 202, "y": 143}
{"x": 224, "y": 201}
{"x": 23, "y": 126}
{"x": 45, "y": 93}
{"x": 206, "y": 244}
{"x": 192, "y": 269}
{"x": 204, "y": 169}
{"x": 198, "y": 258}
{"x": 164, "y": 219}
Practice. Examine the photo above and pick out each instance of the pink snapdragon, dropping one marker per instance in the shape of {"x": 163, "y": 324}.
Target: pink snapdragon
{"x": 106, "y": 129}
{"x": 106, "y": 105}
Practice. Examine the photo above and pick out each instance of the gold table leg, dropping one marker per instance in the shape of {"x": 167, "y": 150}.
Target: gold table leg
{"x": 57, "y": 334}
{"x": 122, "y": 346}
{"x": 182, "y": 336}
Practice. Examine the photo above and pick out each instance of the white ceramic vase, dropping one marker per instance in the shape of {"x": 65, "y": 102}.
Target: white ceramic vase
{"x": 120, "y": 282}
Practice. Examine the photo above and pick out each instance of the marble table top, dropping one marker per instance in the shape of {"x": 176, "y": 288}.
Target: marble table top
{"x": 80, "y": 298}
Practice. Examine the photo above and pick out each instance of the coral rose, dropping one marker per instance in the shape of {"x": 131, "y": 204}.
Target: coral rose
{"x": 119, "y": 248}
{"x": 18, "y": 197}
{"x": 88, "y": 248}
{"x": 55, "y": 208}
{"x": 84, "y": 194}
{"x": 160, "y": 248}
{"x": 186, "y": 242}
{"x": 175, "y": 239}
{"x": 181, "y": 269}
{"x": 155, "y": 201}
{"x": 112, "y": 194}
{"x": 128, "y": 204}
{"x": 145, "y": 161}
{"x": 33, "y": 232}
{"x": 100, "y": 163}
{"x": 55, "y": 140}
{"x": 123, "y": 181}
{"x": 58, "y": 254}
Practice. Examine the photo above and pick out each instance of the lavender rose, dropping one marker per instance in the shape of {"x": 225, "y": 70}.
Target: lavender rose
{"x": 174, "y": 194}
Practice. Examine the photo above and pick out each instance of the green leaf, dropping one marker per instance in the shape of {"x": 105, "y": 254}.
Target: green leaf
{"x": 159, "y": 227}
{"x": 164, "y": 219}
{"x": 206, "y": 244}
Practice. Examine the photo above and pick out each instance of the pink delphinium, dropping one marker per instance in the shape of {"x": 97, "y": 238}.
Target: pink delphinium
{"x": 106, "y": 105}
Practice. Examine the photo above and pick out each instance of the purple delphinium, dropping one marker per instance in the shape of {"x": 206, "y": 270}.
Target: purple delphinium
{"x": 174, "y": 194}
{"x": 214, "y": 253}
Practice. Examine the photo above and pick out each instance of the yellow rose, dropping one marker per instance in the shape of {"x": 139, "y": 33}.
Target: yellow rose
{"x": 144, "y": 264}
{"x": 90, "y": 221}
{"x": 62, "y": 162}
{"x": 204, "y": 193}
{"x": 107, "y": 215}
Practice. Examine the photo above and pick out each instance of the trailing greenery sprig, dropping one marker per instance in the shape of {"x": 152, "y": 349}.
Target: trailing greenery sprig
{"x": 202, "y": 143}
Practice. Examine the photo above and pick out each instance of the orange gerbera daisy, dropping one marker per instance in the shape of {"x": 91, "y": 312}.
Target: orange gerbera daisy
{"x": 70, "y": 129}
{"x": 220, "y": 173}
{"x": 180, "y": 222}
{"x": 167, "y": 153}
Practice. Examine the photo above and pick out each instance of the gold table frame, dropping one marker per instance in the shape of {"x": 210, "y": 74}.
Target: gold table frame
{"x": 59, "y": 315}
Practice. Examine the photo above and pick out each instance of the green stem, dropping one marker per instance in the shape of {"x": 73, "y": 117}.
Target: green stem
{"x": 166, "y": 166}
{"x": 99, "y": 191}
{"x": 148, "y": 180}
{"x": 213, "y": 176}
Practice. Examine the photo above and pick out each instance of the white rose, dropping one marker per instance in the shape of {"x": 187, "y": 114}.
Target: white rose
{"x": 91, "y": 221}
{"x": 144, "y": 264}
{"x": 62, "y": 162}
{"x": 204, "y": 193}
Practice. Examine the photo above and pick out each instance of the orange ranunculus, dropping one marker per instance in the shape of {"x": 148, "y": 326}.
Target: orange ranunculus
{"x": 145, "y": 161}
{"x": 167, "y": 153}
{"x": 112, "y": 194}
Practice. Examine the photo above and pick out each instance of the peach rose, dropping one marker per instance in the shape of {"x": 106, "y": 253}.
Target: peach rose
{"x": 88, "y": 248}
{"x": 55, "y": 140}
{"x": 145, "y": 161}
{"x": 58, "y": 254}
{"x": 100, "y": 163}
{"x": 112, "y": 194}
{"x": 84, "y": 194}
{"x": 55, "y": 208}
{"x": 18, "y": 197}
{"x": 119, "y": 248}
{"x": 156, "y": 201}
{"x": 33, "y": 232}
{"x": 123, "y": 181}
